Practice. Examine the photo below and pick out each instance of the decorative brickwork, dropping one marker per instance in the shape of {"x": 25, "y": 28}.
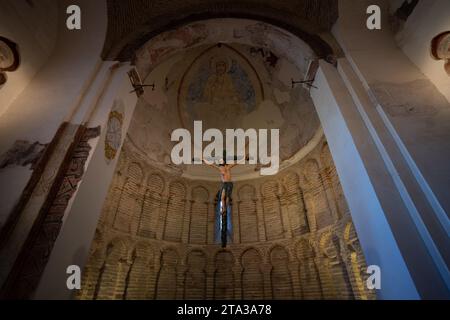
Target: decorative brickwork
{"x": 292, "y": 237}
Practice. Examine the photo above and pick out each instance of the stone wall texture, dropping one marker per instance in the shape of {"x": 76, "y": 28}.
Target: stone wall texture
{"x": 292, "y": 237}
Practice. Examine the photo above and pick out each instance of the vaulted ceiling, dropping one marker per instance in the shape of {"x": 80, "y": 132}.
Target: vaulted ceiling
{"x": 228, "y": 73}
{"x": 133, "y": 23}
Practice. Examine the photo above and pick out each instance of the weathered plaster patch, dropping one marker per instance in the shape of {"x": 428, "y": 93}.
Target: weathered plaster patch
{"x": 281, "y": 96}
{"x": 22, "y": 153}
{"x": 419, "y": 97}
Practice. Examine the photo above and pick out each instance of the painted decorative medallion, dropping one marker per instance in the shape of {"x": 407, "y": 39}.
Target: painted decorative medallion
{"x": 440, "y": 49}
{"x": 9, "y": 58}
{"x": 113, "y": 137}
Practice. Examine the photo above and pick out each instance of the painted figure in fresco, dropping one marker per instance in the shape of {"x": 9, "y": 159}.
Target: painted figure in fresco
{"x": 220, "y": 85}
{"x": 220, "y": 96}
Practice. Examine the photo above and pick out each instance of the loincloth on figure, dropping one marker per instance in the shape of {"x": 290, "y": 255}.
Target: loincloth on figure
{"x": 228, "y": 188}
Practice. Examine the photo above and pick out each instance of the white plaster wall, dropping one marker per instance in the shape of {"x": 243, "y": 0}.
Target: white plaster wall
{"x": 422, "y": 137}
{"x": 53, "y": 94}
{"x": 376, "y": 59}
{"x": 374, "y": 51}
{"x": 81, "y": 217}
{"x": 429, "y": 18}
{"x": 34, "y": 29}
{"x": 351, "y": 147}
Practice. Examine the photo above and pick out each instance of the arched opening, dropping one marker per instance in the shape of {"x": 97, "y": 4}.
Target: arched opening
{"x": 235, "y": 73}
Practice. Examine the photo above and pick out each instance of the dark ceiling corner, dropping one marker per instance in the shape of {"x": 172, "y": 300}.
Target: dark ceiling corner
{"x": 133, "y": 23}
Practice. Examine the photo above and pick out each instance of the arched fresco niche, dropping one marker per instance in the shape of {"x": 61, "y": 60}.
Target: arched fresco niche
{"x": 248, "y": 218}
{"x": 357, "y": 264}
{"x": 315, "y": 197}
{"x": 252, "y": 279}
{"x": 175, "y": 212}
{"x": 166, "y": 281}
{"x": 151, "y": 206}
{"x": 272, "y": 212}
{"x": 130, "y": 199}
{"x": 310, "y": 284}
{"x": 223, "y": 275}
{"x": 331, "y": 181}
{"x": 280, "y": 274}
{"x": 112, "y": 273}
{"x": 140, "y": 280}
{"x": 293, "y": 200}
{"x": 337, "y": 277}
{"x": 198, "y": 230}
{"x": 195, "y": 277}
{"x": 90, "y": 274}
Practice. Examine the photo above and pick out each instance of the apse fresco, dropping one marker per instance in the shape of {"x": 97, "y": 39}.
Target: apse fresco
{"x": 225, "y": 85}
{"x": 219, "y": 87}
{"x": 170, "y": 42}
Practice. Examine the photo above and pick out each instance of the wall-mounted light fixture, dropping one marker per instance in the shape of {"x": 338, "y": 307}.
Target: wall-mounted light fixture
{"x": 308, "y": 83}
{"x": 137, "y": 84}
{"x": 309, "y": 77}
